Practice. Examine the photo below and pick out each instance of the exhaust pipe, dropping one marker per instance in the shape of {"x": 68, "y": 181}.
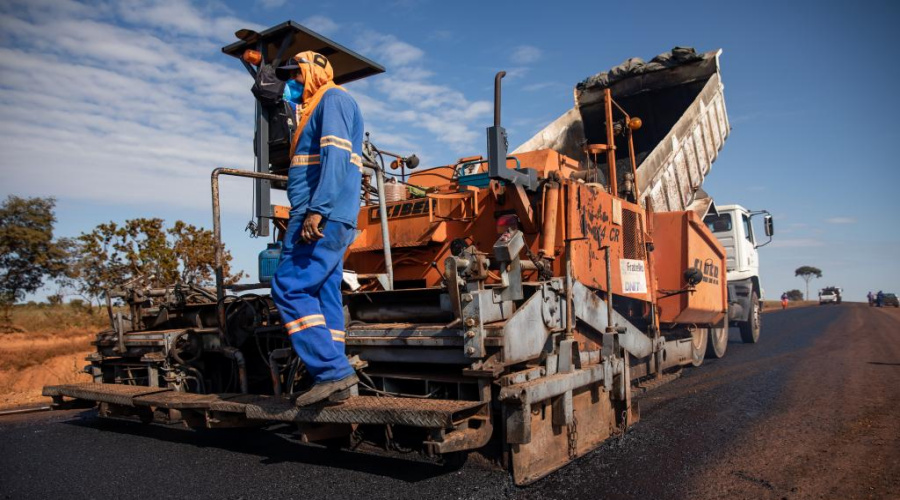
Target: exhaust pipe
{"x": 499, "y": 76}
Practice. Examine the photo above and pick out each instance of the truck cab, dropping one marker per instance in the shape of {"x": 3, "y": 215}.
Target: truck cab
{"x": 732, "y": 226}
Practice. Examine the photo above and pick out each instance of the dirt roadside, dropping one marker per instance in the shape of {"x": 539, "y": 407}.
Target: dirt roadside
{"x": 23, "y": 388}
{"x": 28, "y": 362}
{"x": 47, "y": 346}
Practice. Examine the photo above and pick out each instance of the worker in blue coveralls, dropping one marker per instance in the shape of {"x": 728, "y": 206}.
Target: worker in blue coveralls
{"x": 323, "y": 187}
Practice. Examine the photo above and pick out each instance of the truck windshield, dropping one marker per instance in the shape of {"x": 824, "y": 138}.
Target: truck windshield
{"x": 718, "y": 223}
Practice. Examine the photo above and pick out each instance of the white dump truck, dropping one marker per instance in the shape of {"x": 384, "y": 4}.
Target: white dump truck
{"x": 732, "y": 225}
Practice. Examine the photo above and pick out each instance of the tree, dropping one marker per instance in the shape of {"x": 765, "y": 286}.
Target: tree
{"x": 794, "y": 294}
{"x": 196, "y": 248}
{"x": 144, "y": 249}
{"x": 808, "y": 273}
{"x": 96, "y": 263}
{"x": 28, "y": 252}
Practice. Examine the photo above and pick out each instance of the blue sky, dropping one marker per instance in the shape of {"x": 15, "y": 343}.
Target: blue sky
{"x": 121, "y": 109}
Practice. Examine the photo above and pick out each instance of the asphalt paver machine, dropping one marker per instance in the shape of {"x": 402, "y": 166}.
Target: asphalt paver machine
{"x": 507, "y": 304}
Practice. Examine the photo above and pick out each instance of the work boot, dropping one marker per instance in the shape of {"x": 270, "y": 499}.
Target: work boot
{"x": 332, "y": 390}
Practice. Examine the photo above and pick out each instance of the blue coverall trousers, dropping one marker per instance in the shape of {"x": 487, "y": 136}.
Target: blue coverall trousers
{"x": 307, "y": 290}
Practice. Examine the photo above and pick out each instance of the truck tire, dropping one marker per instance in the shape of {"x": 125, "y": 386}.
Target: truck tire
{"x": 717, "y": 343}
{"x": 750, "y": 328}
{"x": 699, "y": 340}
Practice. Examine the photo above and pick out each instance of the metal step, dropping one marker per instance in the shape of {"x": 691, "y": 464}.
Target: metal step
{"x": 119, "y": 394}
{"x": 429, "y": 413}
{"x": 645, "y": 386}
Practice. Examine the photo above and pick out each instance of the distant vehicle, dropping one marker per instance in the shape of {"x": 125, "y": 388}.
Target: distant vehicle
{"x": 890, "y": 299}
{"x": 830, "y": 295}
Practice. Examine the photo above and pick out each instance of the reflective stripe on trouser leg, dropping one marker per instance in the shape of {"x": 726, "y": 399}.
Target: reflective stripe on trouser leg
{"x": 296, "y": 288}
{"x": 303, "y": 323}
{"x": 333, "y": 306}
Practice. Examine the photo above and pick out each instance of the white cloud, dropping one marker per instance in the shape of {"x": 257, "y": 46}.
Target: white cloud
{"x": 130, "y": 105}
{"x": 543, "y": 86}
{"x": 405, "y": 102}
{"x": 135, "y": 104}
{"x": 183, "y": 18}
{"x": 321, "y": 24}
{"x": 106, "y": 112}
{"x": 526, "y": 54}
{"x": 389, "y": 49}
{"x": 841, "y": 220}
{"x": 444, "y": 112}
{"x": 517, "y": 72}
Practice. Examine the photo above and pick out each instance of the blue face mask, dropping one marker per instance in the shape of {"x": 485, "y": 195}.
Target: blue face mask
{"x": 293, "y": 91}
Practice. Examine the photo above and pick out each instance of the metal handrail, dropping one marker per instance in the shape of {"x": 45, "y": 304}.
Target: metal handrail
{"x": 217, "y": 226}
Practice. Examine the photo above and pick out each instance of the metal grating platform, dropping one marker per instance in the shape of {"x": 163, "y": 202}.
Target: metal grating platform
{"x": 236, "y": 403}
{"x": 119, "y": 394}
{"x": 176, "y": 400}
{"x": 133, "y": 395}
{"x": 430, "y": 413}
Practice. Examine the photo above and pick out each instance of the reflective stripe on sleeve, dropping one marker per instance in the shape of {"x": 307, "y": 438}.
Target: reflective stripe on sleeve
{"x": 304, "y": 160}
{"x": 333, "y": 140}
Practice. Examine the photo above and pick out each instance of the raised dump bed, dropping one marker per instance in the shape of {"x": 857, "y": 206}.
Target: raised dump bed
{"x": 679, "y": 97}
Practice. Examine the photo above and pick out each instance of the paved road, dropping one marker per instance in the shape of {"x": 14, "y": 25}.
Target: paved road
{"x": 812, "y": 411}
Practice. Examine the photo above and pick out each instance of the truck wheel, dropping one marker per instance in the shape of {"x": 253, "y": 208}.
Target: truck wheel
{"x": 750, "y": 328}
{"x": 698, "y": 346}
{"x": 717, "y": 343}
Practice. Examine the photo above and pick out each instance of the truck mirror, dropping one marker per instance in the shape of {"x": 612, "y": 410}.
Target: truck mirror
{"x": 769, "y": 225}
